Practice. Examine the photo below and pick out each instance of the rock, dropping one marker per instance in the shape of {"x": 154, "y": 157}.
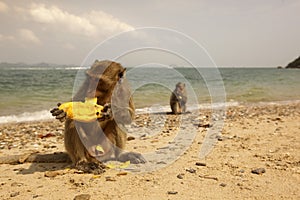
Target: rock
{"x": 14, "y": 194}
{"x": 223, "y": 184}
{"x": 294, "y": 64}
{"x": 51, "y": 174}
{"x": 172, "y": 192}
{"x": 129, "y": 138}
{"x": 82, "y": 197}
{"x": 180, "y": 176}
{"x": 258, "y": 171}
{"x": 109, "y": 178}
{"x": 200, "y": 164}
{"x": 191, "y": 170}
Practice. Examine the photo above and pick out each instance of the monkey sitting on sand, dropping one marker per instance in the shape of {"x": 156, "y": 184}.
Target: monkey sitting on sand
{"x": 178, "y": 99}
{"x": 104, "y": 138}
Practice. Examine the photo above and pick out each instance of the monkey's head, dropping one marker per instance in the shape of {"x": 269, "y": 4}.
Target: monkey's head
{"x": 180, "y": 87}
{"x": 103, "y": 78}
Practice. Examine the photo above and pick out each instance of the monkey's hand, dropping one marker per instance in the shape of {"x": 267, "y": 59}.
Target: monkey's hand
{"x": 106, "y": 112}
{"x": 59, "y": 114}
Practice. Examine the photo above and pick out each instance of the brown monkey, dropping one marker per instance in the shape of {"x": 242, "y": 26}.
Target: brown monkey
{"x": 106, "y": 81}
{"x": 178, "y": 99}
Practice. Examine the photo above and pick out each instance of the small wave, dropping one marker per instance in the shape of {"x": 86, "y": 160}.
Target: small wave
{"x": 26, "y": 117}
{"x": 190, "y": 107}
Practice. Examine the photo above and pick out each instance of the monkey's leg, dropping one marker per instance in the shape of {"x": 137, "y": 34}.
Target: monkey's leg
{"x": 120, "y": 139}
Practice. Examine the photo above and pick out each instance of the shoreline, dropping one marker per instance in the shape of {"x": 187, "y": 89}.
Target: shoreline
{"x": 45, "y": 116}
{"x": 252, "y": 137}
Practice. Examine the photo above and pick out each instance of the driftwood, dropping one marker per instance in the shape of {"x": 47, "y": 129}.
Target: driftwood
{"x": 58, "y": 157}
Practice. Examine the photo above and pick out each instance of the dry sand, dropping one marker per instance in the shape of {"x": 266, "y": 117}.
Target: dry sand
{"x": 253, "y": 137}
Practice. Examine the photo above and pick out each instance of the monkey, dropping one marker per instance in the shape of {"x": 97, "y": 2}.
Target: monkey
{"x": 106, "y": 81}
{"x": 178, "y": 99}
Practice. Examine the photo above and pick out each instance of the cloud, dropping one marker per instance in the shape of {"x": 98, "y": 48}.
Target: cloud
{"x": 6, "y": 37}
{"x": 94, "y": 23}
{"x": 3, "y": 7}
{"x": 29, "y": 36}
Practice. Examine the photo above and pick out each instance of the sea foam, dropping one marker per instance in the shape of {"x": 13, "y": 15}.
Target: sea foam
{"x": 26, "y": 117}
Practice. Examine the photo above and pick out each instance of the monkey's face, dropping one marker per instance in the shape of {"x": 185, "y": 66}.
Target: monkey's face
{"x": 103, "y": 85}
{"x": 180, "y": 87}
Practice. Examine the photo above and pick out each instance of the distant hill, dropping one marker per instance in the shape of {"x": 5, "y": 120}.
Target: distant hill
{"x": 294, "y": 64}
{"x": 35, "y": 65}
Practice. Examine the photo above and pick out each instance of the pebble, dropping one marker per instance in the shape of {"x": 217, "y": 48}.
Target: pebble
{"x": 172, "y": 192}
{"x": 191, "y": 170}
{"x": 129, "y": 138}
{"x": 258, "y": 171}
{"x": 82, "y": 197}
{"x": 51, "y": 174}
{"x": 109, "y": 178}
{"x": 223, "y": 184}
{"x": 180, "y": 176}
{"x": 200, "y": 164}
{"x": 14, "y": 194}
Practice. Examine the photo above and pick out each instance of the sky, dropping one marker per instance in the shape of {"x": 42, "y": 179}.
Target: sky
{"x": 247, "y": 33}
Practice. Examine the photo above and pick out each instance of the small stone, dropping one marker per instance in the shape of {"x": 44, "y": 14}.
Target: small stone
{"x": 82, "y": 197}
{"x": 51, "y": 174}
{"x": 223, "y": 184}
{"x": 35, "y": 196}
{"x": 242, "y": 171}
{"x": 191, "y": 170}
{"x": 129, "y": 138}
{"x": 172, "y": 192}
{"x": 14, "y": 194}
{"x": 200, "y": 164}
{"x": 121, "y": 173}
{"x": 258, "y": 171}
{"x": 180, "y": 176}
{"x": 109, "y": 178}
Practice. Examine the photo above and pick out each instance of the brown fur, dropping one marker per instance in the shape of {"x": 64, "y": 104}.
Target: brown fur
{"x": 178, "y": 99}
{"x": 105, "y": 80}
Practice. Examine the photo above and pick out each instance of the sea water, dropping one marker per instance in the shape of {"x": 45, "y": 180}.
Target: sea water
{"x": 28, "y": 93}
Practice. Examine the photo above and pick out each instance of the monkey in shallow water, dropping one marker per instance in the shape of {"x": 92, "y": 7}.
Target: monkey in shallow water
{"x": 178, "y": 99}
{"x": 105, "y": 138}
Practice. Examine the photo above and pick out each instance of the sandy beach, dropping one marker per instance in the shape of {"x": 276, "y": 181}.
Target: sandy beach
{"x": 256, "y": 157}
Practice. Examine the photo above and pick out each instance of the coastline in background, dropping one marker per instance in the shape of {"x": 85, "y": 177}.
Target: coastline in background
{"x": 27, "y": 94}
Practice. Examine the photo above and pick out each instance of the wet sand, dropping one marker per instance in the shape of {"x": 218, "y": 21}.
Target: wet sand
{"x": 257, "y": 156}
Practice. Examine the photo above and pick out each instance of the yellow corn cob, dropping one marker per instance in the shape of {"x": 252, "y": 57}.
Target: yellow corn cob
{"x": 82, "y": 111}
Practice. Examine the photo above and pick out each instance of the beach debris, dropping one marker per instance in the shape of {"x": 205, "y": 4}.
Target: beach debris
{"x": 208, "y": 177}
{"x": 172, "y": 192}
{"x": 100, "y": 149}
{"x": 51, "y": 174}
{"x": 191, "y": 170}
{"x": 14, "y": 194}
{"x": 258, "y": 171}
{"x": 82, "y": 197}
{"x": 42, "y": 136}
{"x": 200, "y": 164}
{"x": 120, "y": 166}
{"x": 109, "y": 178}
{"x": 180, "y": 176}
{"x": 206, "y": 125}
{"x": 129, "y": 138}
{"x": 122, "y": 173}
{"x": 223, "y": 184}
